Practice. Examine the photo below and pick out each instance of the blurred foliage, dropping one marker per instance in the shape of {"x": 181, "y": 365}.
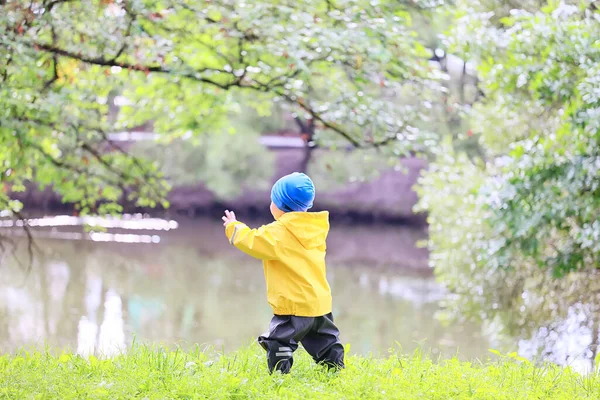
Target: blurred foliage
{"x": 505, "y": 226}
{"x": 354, "y": 66}
{"x": 333, "y": 169}
{"x": 223, "y": 160}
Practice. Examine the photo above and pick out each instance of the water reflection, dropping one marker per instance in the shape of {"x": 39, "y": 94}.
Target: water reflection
{"x": 192, "y": 287}
{"x": 87, "y": 331}
{"x": 112, "y": 335}
{"x": 127, "y": 221}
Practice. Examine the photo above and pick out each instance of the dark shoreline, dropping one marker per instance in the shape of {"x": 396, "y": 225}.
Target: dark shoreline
{"x": 51, "y": 204}
{"x": 388, "y": 198}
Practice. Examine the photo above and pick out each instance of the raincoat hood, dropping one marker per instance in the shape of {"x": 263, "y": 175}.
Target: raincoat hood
{"x": 311, "y": 229}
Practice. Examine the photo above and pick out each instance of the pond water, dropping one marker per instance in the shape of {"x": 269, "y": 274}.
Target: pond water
{"x": 180, "y": 282}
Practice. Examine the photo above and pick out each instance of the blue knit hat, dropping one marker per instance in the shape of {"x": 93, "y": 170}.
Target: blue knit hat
{"x": 294, "y": 192}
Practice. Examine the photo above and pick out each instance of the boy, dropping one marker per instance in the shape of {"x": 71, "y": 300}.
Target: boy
{"x": 293, "y": 252}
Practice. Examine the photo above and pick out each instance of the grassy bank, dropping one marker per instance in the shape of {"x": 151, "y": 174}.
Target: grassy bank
{"x": 155, "y": 373}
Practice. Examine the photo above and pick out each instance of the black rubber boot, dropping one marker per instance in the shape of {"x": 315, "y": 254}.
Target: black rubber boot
{"x": 318, "y": 335}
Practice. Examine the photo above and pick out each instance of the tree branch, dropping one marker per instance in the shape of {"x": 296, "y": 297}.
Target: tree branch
{"x": 264, "y": 87}
{"x": 31, "y": 245}
{"x": 127, "y": 32}
{"x": 301, "y": 125}
{"x": 54, "y": 63}
{"x": 327, "y": 124}
{"x": 101, "y": 61}
{"x": 52, "y": 4}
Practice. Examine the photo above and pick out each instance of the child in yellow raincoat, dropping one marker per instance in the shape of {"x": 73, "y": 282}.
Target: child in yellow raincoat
{"x": 293, "y": 253}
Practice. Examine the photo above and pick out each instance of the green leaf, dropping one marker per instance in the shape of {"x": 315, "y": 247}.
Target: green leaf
{"x": 518, "y": 152}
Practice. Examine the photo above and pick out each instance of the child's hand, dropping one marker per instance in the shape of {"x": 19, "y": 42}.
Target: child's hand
{"x": 228, "y": 218}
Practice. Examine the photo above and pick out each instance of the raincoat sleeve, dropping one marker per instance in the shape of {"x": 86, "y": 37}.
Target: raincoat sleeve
{"x": 259, "y": 243}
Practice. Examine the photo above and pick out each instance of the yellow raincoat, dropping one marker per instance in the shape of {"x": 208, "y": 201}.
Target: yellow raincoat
{"x": 293, "y": 253}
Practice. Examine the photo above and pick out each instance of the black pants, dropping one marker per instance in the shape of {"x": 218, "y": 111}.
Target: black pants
{"x": 318, "y": 335}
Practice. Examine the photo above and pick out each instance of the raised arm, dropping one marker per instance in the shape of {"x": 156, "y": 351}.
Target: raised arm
{"x": 259, "y": 243}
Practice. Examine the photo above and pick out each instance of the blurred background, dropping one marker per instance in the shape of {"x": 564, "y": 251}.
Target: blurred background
{"x": 455, "y": 144}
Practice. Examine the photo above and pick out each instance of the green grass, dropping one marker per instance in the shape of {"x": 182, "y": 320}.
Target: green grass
{"x": 156, "y": 373}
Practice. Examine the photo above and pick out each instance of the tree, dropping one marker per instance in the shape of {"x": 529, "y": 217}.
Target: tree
{"x": 506, "y": 228}
{"x": 189, "y": 67}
